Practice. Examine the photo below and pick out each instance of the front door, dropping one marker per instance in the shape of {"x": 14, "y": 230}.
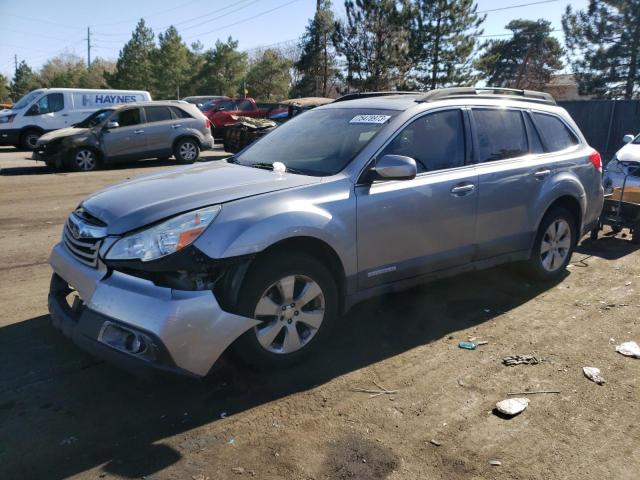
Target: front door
{"x": 49, "y": 112}
{"x": 128, "y": 139}
{"x": 412, "y": 227}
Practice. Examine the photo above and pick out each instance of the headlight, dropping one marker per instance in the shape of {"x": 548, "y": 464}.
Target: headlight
{"x": 164, "y": 239}
{"x": 7, "y": 119}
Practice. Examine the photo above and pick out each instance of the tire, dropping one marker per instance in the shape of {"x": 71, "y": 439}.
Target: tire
{"x": 284, "y": 338}
{"x": 551, "y": 265}
{"x": 84, "y": 160}
{"x": 29, "y": 138}
{"x": 186, "y": 151}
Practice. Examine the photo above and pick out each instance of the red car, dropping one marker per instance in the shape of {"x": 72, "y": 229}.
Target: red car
{"x": 221, "y": 113}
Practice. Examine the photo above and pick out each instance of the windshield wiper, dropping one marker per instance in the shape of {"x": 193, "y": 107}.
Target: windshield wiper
{"x": 263, "y": 165}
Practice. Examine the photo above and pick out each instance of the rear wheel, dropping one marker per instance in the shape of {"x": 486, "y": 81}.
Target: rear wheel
{"x": 553, "y": 246}
{"x": 84, "y": 160}
{"x": 186, "y": 151}
{"x": 29, "y": 139}
{"x": 296, "y": 299}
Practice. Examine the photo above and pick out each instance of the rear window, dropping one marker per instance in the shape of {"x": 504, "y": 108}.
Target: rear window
{"x": 555, "y": 133}
{"x": 501, "y": 134}
{"x": 179, "y": 113}
{"x": 157, "y": 114}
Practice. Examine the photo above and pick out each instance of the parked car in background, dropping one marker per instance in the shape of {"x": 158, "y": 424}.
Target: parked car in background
{"x": 221, "y": 113}
{"x": 5, "y": 106}
{"x": 128, "y": 132}
{"x": 200, "y": 100}
{"x": 264, "y": 252}
{"x": 48, "y": 109}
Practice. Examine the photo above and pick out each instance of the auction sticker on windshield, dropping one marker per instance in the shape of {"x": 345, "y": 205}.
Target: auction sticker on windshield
{"x": 376, "y": 119}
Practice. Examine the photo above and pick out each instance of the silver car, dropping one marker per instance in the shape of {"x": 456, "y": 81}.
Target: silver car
{"x": 263, "y": 253}
{"x": 128, "y": 132}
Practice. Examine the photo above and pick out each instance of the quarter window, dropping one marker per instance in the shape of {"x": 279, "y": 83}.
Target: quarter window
{"x": 157, "y": 114}
{"x": 501, "y": 134}
{"x": 556, "y": 134}
{"x": 245, "y": 106}
{"x": 179, "y": 113}
{"x": 435, "y": 141}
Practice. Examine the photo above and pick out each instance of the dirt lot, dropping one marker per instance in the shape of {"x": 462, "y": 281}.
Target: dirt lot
{"x": 65, "y": 414}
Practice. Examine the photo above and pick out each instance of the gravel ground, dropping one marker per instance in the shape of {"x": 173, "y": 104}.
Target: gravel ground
{"x": 65, "y": 414}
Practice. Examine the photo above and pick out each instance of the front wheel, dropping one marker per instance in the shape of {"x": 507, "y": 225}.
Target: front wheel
{"x": 186, "y": 151}
{"x": 84, "y": 160}
{"x": 29, "y": 139}
{"x": 296, "y": 299}
{"x": 553, "y": 246}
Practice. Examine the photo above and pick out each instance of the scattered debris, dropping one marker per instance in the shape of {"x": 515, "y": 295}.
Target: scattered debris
{"x": 223, "y": 415}
{"x": 467, "y": 345}
{"x": 232, "y": 441}
{"x": 238, "y": 470}
{"x": 513, "y": 360}
{"x": 199, "y": 476}
{"x": 482, "y": 342}
{"x": 375, "y": 393}
{"x": 629, "y": 349}
{"x": 495, "y": 463}
{"x": 534, "y": 392}
{"x": 435, "y": 442}
{"x": 68, "y": 440}
{"x": 593, "y": 374}
{"x": 627, "y": 284}
{"x": 512, "y": 406}
{"x": 471, "y": 339}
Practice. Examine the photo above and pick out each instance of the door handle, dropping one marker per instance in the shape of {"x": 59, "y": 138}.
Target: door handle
{"x": 176, "y": 126}
{"x": 138, "y": 132}
{"x": 463, "y": 188}
{"x": 542, "y": 173}
{"x": 64, "y": 115}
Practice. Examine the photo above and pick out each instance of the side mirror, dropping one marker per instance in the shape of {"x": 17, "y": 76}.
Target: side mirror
{"x": 394, "y": 167}
{"x": 34, "y": 110}
{"x": 628, "y": 138}
{"x": 111, "y": 125}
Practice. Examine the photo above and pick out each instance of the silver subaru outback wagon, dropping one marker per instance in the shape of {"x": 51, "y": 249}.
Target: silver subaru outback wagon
{"x": 262, "y": 253}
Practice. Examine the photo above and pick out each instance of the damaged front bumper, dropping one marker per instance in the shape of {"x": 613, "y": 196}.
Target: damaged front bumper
{"x": 138, "y": 325}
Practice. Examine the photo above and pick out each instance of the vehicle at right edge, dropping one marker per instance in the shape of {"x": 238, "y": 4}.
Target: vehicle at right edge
{"x": 263, "y": 253}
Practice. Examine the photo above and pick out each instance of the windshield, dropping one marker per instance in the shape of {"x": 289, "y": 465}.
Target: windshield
{"x": 318, "y": 142}
{"x": 636, "y": 140}
{"x": 95, "y": 119}
{"x": 26, "y": 100}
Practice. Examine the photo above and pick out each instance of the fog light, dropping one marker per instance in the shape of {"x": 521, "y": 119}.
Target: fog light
{"x": 127, "y": 340}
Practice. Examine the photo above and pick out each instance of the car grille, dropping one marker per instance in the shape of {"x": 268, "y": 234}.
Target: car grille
{"x": 85, "y": 250}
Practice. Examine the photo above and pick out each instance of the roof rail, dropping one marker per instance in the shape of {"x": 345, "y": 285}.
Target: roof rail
{"x": 356, "y": 95}
{"x": 487, "y": 92}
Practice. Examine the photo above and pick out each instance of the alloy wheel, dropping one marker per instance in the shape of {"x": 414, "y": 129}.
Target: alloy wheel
{"x": 555, "y": 245}
{"x": 188, "y": 151}
{"x": 292, "y": 310}
{"x": 85, "y": 160}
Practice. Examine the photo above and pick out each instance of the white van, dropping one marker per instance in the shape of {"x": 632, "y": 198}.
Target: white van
{"x": 47, "y": 109}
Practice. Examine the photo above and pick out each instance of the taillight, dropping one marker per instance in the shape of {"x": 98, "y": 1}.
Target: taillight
{"x": 207, "y": 122}
{"x": 596, "y": 159}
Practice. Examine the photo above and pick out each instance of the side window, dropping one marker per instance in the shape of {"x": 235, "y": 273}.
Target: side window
{"x": 179, "y": 113}
{"x": 245, "y": 106}
{"x": 557, "y": 135}
{"x": 535, "y": 144}
{"x": 436, "y": 141}
{"x": 157, "y": 114}
{"x": 127, "y": 118}
{"x": 228, "y": 105}
{"x": 501, "y": 134}
{"x": 54, "y": 102}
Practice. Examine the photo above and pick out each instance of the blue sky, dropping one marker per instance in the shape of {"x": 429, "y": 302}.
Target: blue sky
{"x": 39, "y": 29}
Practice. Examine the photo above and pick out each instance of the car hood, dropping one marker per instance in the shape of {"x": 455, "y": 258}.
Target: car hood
{"x": 139, "y": 202}
{"x": 629, "y": 153}
{"x": 63, "y": 132}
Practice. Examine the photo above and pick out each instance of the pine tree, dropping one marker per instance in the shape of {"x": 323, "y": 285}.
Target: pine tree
{"x": 526, "y": 60}
{"x": 374, "y": 41}
{"x": 443, "y": 39}
{"x": 223, "y": 69}
{"x": 171, "y": 65}
{"x": 268, "y": 78}
{"x": 604, "y": 41}
{"x": 134, "y": 67}
{"x": 24, "y": 81}
{"x": 4, "y": 89}
{"x": 317, "y": 62}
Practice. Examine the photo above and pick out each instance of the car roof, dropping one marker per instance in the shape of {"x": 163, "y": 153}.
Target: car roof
{"x": 153, "y": 103}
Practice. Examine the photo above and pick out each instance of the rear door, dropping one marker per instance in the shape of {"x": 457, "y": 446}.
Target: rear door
{"x": 511, "y": 174}
{"x": 160, "y": 129}
{"x": 412, "y": 227}
{"x": 128, "y": 140}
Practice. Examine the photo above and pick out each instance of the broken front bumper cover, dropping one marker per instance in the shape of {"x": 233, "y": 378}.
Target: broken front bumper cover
{"x": 135, "y": 324}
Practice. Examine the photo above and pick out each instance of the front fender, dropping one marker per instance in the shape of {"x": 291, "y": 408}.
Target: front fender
{"x": 251, "y": 225}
